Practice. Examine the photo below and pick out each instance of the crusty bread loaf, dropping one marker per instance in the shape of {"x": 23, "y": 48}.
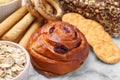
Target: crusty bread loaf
{"x": 106, "y": 12}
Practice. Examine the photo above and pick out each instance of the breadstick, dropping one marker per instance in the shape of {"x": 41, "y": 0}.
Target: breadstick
{"x": 19, "y": 28}
{"x": 12, "y": 20}
{"x": 25, "y": 39}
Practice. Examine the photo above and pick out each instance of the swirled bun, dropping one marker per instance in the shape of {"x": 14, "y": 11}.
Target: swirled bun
{"x": 57, "y": 48}
{"x": 48, "y": 9}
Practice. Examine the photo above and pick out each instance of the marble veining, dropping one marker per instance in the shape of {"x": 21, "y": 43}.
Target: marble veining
{"x": 92, "y": 69}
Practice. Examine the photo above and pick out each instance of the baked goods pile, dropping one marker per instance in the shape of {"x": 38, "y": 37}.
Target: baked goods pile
{"x": 55, "y": 44}
{"x": 56, "y": 48}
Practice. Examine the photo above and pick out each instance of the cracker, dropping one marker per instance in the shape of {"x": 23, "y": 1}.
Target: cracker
{"x": 73, "y": 15}
{"x": 107, "y": 51}
{"x": 101, "y": 42}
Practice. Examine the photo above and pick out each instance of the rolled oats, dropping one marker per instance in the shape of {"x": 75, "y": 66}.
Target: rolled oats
{"x": 12, "y": 61}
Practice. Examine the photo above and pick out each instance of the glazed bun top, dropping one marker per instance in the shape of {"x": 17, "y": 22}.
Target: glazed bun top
{"x": 59, "y": 41}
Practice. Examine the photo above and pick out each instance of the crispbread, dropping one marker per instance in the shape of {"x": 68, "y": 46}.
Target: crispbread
{"x": 107, "y": 51}
{"x": 101, "y": 42}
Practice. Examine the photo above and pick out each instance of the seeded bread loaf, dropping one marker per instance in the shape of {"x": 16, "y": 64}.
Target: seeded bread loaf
{"x": 106, "y": 12}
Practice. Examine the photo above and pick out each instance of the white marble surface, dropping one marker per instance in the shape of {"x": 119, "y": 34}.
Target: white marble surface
{"x": 92, "y": 69}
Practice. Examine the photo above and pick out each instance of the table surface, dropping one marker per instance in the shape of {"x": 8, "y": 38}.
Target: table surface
{"x": 92, "y": 69}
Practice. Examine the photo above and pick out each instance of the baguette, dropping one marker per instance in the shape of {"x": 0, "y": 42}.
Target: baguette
{"x": 12, "y": 20}
{"x": 14, "y": 33}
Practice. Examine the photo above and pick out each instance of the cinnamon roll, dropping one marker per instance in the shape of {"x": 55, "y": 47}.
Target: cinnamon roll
{"x": 57, "y": 48}
{"x": 49, "y": 9}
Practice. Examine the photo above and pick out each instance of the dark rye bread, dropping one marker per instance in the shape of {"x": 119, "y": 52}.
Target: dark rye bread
{"x": 106, "y": 12}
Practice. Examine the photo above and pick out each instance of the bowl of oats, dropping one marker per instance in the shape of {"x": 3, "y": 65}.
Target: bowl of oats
{"x": 14, "y": 61}
{"x": 7, "y": 7}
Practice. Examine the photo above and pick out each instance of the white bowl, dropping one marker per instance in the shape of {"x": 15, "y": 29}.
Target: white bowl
{"x": 7, "y": 8}
{"x": 23, "y": 74}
